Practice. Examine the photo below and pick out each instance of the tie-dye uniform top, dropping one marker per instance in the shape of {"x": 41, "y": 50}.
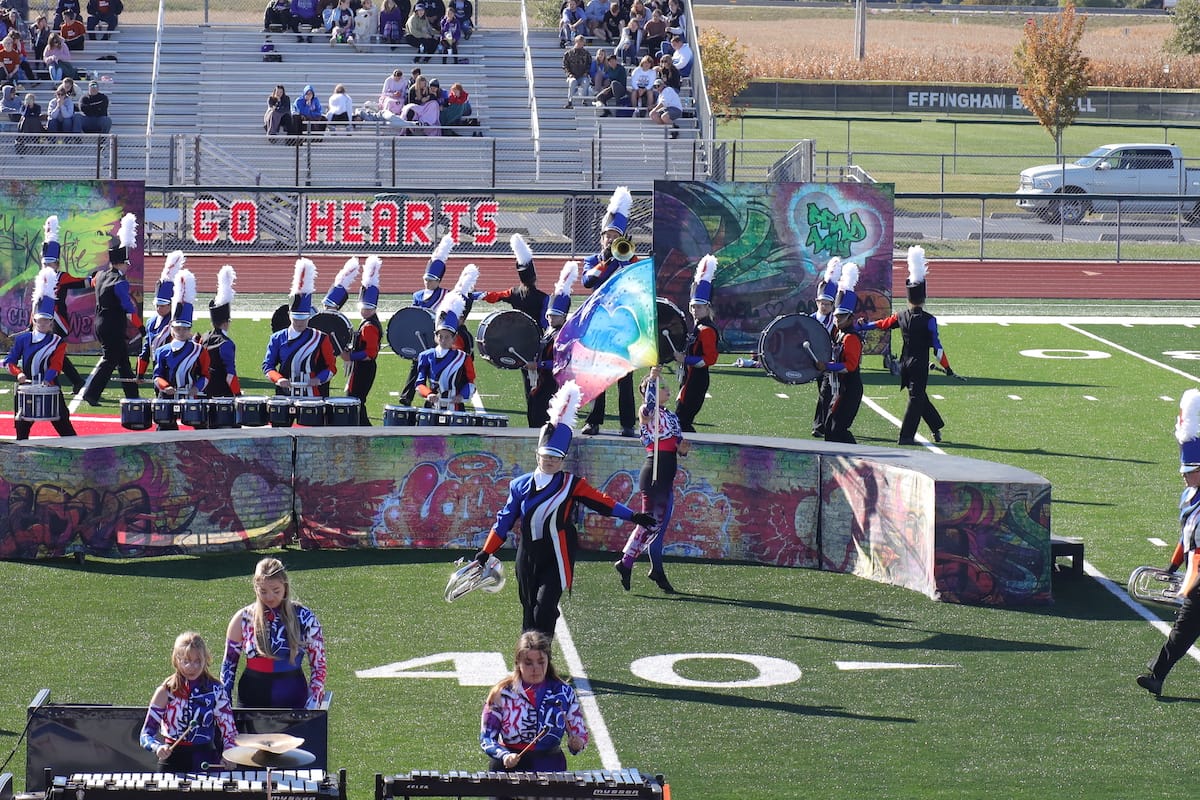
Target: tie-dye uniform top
{"x": 201, "y": 715}
{"x": 514, "y": 718}
{"x": 312, "y": 640}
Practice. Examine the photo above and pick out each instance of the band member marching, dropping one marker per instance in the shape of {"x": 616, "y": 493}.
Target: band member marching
{"x": 115, "y": 312}
{"x": 362, "y": 357}
{"x": 700, "y": 352}
{"x": 222, "y": 351}
{"x": 36, "y": 357}
{"x": 445, "y": 373}
{"x": 51, "y": 250}
{"x": 542, "y": 504}
{"x": 845, "y": 380}
{"x": 430, "y": 297}
{"x": 158, "y": 327}
{"x": 541, "y": 372}
{"x": 181, "y": 365}
{"x": 299, "y": 359}
{"x": 616, "y": 252}
{"x": 826, "y": 293}
{"x": 339, "y": 292}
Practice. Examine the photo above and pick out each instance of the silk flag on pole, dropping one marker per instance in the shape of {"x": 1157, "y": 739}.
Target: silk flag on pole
{"x": 613, "y": 333}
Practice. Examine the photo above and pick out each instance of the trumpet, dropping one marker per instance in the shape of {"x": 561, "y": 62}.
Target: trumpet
{"x": 622, "y": 249}
{"x": 1153, "y": 585}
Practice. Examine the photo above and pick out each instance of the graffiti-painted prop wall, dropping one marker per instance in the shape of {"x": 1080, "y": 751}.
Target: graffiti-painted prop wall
{"x": 89, "y": 213}
{"x": 954, "y": 529}
{"x": 772, "y": 242}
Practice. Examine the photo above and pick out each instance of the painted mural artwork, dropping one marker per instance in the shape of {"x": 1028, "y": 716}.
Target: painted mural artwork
{"x": 772, "y": 241}
{"x": 89, "y": 213}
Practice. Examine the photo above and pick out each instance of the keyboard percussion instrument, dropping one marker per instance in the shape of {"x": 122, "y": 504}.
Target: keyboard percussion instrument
{"x": 303, "y": 784}
{"x": 626, "y": 783}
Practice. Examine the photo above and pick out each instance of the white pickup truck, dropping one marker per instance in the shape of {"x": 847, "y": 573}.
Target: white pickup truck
{"x": 1117, "y": 169}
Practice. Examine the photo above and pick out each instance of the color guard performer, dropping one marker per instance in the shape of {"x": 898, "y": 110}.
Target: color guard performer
{"x": 115, "y": 312}
{"x": 541, "y": 372}
{"x": 158, "y": 328}
{"x": 362, "y": 357}
{"x": 299, "y": 359}
{"x": 845, "y": 380}
{"x": 542, "y": 504}
{"x": 36, "y": 357}
{"x": 700, "y": 352}
{"x": 826, "y": 293}
{"x": 445, "y": 372}
{"x": 181, "y": 365}
{"x": 222, "y": 351}
{"x": 430, "y": 297}
{"x": 67, "y": 282}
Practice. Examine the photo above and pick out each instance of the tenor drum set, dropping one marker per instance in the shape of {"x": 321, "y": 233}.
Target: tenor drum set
{"x": 405, "y": 416}
{"x": 239, "y": 412}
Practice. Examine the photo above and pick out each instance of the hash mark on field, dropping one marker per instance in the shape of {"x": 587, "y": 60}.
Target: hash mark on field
{"x": 781, "y": 396}
{"x": 857, "y": 665}
{"x": 1088, "y": 397}
{"x": 1014, "y": 397}
{"x": 937, "y": 397}
{"x": 1165, "y": 397}
{"x": 1157, "y": 542}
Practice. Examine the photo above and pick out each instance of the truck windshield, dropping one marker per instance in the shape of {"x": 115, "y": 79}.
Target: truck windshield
{"x": 1091, "y": 159}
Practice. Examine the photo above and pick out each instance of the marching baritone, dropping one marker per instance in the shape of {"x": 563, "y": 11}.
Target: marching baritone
{"x": 299, "y": 360}
{"x": 36, "y": 357}
{"x": 362, "y": 357}
{"x": 181, "y": 365}
{"x": 222, "y": 350}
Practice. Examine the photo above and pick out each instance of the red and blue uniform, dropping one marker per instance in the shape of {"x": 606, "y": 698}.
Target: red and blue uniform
{"x": 846, "y": 387}
{"x": 364, "y": 352}
{"x": 656, "y": 495}
{"x": 40, "y": 357}
{"x": 919, "y": 334}
{"x": 699, "y": 354}
{"x": 300, "y": 357}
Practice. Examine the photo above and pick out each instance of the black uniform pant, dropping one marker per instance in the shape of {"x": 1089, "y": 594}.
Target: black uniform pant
{"x": 410, "y": 386}
{"x": 1182, "y": 636}
{"x": 114, "y": 354}
{"x": 625, "y": 405}
{"x": 843, "y": 408}
{"x": 919, "y": 407}
{"x": 62, "y": 425}
{"x": 691, "y": 397}
{"x": 362, "y": 378}
{"x": 824, "y": 396}
{"x": 539, "y": 588}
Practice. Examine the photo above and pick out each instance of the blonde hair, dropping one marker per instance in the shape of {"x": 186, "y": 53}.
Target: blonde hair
{"x": 530, "y": 640}
{"x": 188, "y": 642}
{"x": 272, "y": 569}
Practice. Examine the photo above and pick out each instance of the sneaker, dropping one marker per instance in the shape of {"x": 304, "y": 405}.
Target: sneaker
{"x": 937, "y": 435}
{"x": 590, "y": 429}
{"x": 625, "y": 572}
{"x": 661, "y": 579}
{"x": 597, "y": 104}
{"x": 1150, "y": 683}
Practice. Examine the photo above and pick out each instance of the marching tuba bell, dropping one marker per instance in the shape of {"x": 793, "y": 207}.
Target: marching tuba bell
{"x": 470, "y": 576}
{"x": 1153, "y": 585}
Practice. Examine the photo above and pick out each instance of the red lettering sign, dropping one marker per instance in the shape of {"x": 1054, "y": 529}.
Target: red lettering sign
{"x": 205, "y": 230}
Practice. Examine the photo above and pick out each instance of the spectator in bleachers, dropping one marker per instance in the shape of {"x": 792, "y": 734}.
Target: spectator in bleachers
{"x": 339, "y": 23}
{"x": 391, "y": 96}
{"x": 62, "y": 116}
{"x": 391, "y": 23}
{"x": 434, "y": 11}
{"x": 464, "y": 12}
{"x": 639, "y": 12}
{"x": 668, "y": 108}
{"x": 594, "y": 12}
{"x": 15, "y": 43}
{"x": 668, "y": 73}
{"x": 68, "y": 83}
{"x": 366, "y": 21}
{"x": 73, "y": 32}
{"x": 103, "y": 11}
{"x": 576, "y": 63}
{"x": 572, "y": 23}
{"x": 307, "y": 114}
{"x": 613, "y": 23}
{"x": 277, "y": 15}
{"x": 457, "y": 98}
{"x": 10, "y": 104}
{"x": 420, "y": 33}
{"x": 616, "y": 92}
{"x": 641, "y": 84}
{"x": 61, "y": 8}
{"x": 94, "y": 106}
{"x": 676, "y": 19}
{"x": 14, "y": 22}
{"x": 39, "y": 35}
{"x": 31, "y": 121}
{"x": 341, "y": 109}
{"x": 278, "y": 116}
{"x": 452, "y": 31}
{"x": 597, "y": 69}
{"x": 10, "y": 62}
{"x": 631, "y": 42}
{"x": 304, "y": 12}
{"x": 682, "y": 56}
{"x": 423, "y": 108}
{"x": 418, "y": 92}
{"x": 654, "y": 33}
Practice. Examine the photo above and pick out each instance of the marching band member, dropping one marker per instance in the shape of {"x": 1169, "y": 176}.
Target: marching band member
{"x": 299, "y": 359}
{"x": 189, "y": 723}
{"x": 275, "y": 633}
{"x": 115, "y": 311}
{"x": 339, "y": 292}
{"x": 541, "y": 373}
{"x": 598, "y": 268}
{"x": 36, "y": 357}
{"x": 661, "y": 432}
{"x": 525, "y": 296}
{"x": 362, "y": 356}
{"x": 826, "y": 294}
{"x": 445, "y": 372}
{"x": 542, "y": 503}
{"x": 529, "y": 713}
{"x": 465, "y": 288}
{"x": 919, "y": 332}
{"x": 429, "y": 297}
{"x": 222, "y": 352}
{"x": 67, "y": 282}
{"x": 700, "y": 352}
{"x": 158, "y": 328}
{"x": 845, "y": 380}
{"x": 181, "y": 365}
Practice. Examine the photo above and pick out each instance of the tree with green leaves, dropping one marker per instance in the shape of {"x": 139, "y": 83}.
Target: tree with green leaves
{"x": 725, "y": 70}
{"x": 1185, "y": 38}
{"x": 1054, "y": 72}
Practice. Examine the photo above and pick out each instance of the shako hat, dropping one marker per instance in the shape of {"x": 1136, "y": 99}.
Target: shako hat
{"x": 220, "y": 307}
{"x": 339, "y": 292}
{"x": 560, "y": 301}
{"x": 702, "y": 287}
{"x": 164, "y": 292}
{"x": 45, "y": 289}
{"x": 917, "y": 267}
{"x": 436, "y": 268}
{"x": 828, "y": 286}
{"x": 126, "y": 239}
{"x": 185, "y": 298}
{"x": 304, "y": 278}
{"x": 847, "y": 300}
{"x": 555, "y": 438}
{"x": 1187, "y": 431}
{"x": 368, "y": 290}
{"x": 50, "y": 246}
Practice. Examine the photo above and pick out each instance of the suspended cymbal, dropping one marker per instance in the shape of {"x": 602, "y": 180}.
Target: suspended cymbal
{"x": 273, "y": 742}
{"x": 254, "y": 757}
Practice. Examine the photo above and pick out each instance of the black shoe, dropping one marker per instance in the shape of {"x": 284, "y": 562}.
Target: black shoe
{"x": 91, "y": 402}
{"x": 628, "y": 433}
{"x": 907, "y": 441}
{"x": 590, "y": 429}
{"x": 569, "y": 104}
{"x": 78, "y": 387}
{"x": 661, "y": 579}
{"x": 819, "y": 433}
{"x": 937, "y": 435}
{"x": 625, "y": 572}
{"x": 1150, "y": 683}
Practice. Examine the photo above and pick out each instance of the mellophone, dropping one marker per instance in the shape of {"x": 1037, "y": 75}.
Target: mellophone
{"x": 247, "y": 411}
{"x": 583, "y": 783}
{"x": 399, "y": 416}
{"x": 300, "y": 784}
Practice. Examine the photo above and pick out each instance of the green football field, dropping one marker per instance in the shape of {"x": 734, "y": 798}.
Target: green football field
{"x": 753, "y": 681}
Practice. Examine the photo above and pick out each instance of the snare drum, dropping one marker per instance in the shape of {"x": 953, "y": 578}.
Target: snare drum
{"x": 222, "y": 413}
{"x": 279, "y": 412}
{"x": 342, "y": 411}
{"x": 310, "y": 412}
{"x": 507, "y": 339}
{"x": 136, "y": 414}
{"x": 164, "y": 411}
{"x": 461, "y": 419}
{"x": 194, "y": 413}
{"x": 37, "y": 403}
{"x": 251, "y": 411}
{"x": 493, "y": 420}
{"x": 396, "y": 416}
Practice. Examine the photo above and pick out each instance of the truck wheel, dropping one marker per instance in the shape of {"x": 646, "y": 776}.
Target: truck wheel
{"x": 1071, "y": 210}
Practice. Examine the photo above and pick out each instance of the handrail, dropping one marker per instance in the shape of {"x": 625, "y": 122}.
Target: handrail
{"x": 703, "y": 110}
{"x": 158, "y": 38}
{"x": 534, "y": 127}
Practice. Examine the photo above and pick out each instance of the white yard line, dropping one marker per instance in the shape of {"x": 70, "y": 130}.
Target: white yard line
{"x": 587, "y": 699}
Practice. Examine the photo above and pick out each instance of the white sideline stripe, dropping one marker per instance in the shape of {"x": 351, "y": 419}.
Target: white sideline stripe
{"x": 1129, "y": 352}
{"x": 1157, "y": 542}
{"x": 878, "y": 409}
{"x": 587, "y": 700}
{"x": 857, "y": 665}
{"x": 1139, "y": 609}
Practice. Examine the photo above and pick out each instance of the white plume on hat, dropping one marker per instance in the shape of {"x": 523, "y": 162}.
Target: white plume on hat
{"x": 849, "y": 277}
{"x": 442, "y": 251}
{"x": 225, "y": 280}
{"x": 1187, "y": 427}
{"x": 520, "y": 250}
{"x": 185, "y": 287}
{"x": 50, "y": 229}
{"x": 454, "y": 303}
{"x": 370, "y": 273}
{"x": 347, "y": 273}
{"x": 621, "y": 201}
{"x": 833, "y": 269}
{"x": 466, "y": 281}
{"x": 916, "y": 265}
{"x": 706, "y": 268}
{"x": 45, "y": 284}
{"x": 565, "y": 404}
{"x": 567, "y": 277}
{"x": 172, "y": 264}
{"x": 305, "y": 277}
{"x": 128, "y": 233}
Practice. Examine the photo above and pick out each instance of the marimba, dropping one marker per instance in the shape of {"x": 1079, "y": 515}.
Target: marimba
{"x": 299, "y": 784}
{"x": 625, "y": 783}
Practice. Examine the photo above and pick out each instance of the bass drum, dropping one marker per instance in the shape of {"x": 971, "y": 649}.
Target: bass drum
{"x": 334, "y": 325}
{"x": 781, "y": 348}
{"x": 410, "y": 330}
{"x": 507, "y": 339}
{"x": 672, "y": 330}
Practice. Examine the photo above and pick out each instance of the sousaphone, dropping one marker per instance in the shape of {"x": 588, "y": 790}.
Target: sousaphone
{"x": 470, "y": 576}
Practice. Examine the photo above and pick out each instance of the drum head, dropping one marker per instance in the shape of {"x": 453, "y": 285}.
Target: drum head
{"x": 335, "y": 325}
{"x": 507, "y": 339}
{"x": 781, "y": 348}
{"x": 410, "y": 330}
{"x": 671, "y": 320}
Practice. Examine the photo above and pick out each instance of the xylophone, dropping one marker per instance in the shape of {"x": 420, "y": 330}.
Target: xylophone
{"x": 301, "y": 784}
{"x": 625, "y": 783}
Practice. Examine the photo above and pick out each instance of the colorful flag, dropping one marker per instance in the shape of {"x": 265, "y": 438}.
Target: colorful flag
{"x": 613, "y": 333}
